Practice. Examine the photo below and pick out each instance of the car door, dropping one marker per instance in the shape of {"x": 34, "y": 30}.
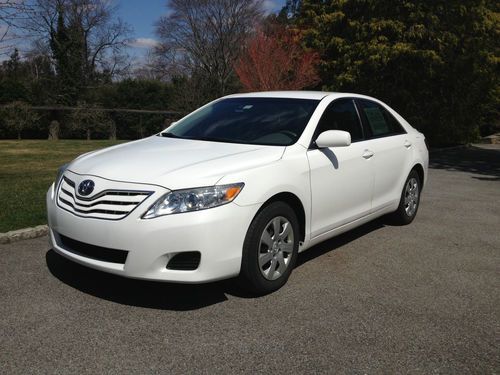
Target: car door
{"x": 392, "y": 152}
{"x": 341, "y": 177}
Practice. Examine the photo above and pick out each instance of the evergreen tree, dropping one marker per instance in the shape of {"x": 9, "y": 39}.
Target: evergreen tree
{"x": 435, "y": 62}
{"x": 66, "y": 43}
{"x": 13, "y": 80}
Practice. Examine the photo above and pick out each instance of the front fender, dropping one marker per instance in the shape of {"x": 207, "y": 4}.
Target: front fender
{"x": 290, "y": 174}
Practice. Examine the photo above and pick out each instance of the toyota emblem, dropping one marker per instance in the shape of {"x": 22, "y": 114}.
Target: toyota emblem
{"x": 86, "y": 187}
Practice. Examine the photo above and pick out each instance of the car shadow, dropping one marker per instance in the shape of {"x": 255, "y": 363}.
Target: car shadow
{"x": 341, "y": 240}
{"x": 171, "y": 296}
{"x": 140, "y": 293}
{"x": 331, "y": 156}
{"x": 472, "y": 159}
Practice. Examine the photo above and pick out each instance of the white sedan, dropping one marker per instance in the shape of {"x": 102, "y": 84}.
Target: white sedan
{"x": 238, "y": 188}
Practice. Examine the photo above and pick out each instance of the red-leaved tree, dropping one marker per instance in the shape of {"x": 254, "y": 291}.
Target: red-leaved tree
{"x": 276, "y": 61}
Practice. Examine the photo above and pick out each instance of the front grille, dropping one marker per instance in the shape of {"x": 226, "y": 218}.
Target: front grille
{"x": 91, "y": 251}
{"x": 186, "y": 261}
{"x": 108, "y": 204}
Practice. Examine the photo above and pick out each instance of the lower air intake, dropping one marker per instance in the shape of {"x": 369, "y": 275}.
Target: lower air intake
{"x": 186, "y": 261}
{"x": 91, "y": 251}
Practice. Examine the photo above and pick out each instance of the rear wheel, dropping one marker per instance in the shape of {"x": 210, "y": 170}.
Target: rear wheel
{"x": 270, "y": 249}
{"x": 410, "y": 200}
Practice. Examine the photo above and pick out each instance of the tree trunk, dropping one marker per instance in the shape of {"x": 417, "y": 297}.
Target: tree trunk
{"x": 19, "y": 135}
{"x": 54, "y": 130}
{"x": 88, "y": 134}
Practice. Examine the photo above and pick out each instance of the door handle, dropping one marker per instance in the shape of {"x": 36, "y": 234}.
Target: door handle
{"x": 407, "y": 144}
{"x": 368, "y": 154}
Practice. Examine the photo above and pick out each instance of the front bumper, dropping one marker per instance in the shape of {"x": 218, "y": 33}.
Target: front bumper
{"x": 217, "y": 233}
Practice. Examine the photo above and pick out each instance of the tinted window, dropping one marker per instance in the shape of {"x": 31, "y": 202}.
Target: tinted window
{"x": 267, "y": 121}
{"x": 380, "y": 122}
{"x": 341, "y": 115}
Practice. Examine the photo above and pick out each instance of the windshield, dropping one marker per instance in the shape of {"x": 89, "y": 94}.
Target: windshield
{"x": 263, "y": 121}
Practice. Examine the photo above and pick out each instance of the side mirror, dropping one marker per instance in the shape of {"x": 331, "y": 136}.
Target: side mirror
{"x": 333, "y": 138}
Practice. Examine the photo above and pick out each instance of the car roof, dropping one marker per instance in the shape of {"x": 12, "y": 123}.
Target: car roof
{"x": 317, "y": 95}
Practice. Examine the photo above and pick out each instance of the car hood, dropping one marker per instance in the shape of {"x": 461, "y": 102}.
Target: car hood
{"x": 174, "y": 163}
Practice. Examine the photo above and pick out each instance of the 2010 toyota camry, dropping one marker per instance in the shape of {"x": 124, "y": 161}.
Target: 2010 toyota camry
{"x": 238, "y": 188}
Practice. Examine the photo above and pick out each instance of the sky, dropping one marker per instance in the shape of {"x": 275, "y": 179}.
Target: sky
{"x": 142, "y": 15}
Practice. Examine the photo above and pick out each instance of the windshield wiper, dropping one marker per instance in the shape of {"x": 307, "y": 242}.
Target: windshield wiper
{"x": 214, "y": 139}
{"x": 169, "y": 135}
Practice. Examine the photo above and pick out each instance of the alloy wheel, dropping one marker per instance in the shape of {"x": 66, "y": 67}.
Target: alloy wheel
{"x": 276, "y": 248}
{"x": 411, "y": 197}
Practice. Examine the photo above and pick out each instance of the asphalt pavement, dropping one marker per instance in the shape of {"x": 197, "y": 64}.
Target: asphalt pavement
{"x": 422, "y": 298}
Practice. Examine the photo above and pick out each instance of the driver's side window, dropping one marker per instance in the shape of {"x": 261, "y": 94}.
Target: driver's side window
{"x": 341, "y": 115}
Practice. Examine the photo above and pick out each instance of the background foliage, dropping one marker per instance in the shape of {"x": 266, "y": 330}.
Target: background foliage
{"x": 435, "y": 62}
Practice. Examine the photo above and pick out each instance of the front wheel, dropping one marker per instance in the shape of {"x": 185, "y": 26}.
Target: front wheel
{"x": 270, "y": 249}
{"x": 410, "y": 200}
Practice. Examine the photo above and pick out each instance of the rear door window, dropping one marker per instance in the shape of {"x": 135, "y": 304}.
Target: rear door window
{"x": 379, "y": 121}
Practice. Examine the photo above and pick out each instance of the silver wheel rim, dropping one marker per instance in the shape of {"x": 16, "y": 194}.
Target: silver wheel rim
{"x": 276, "y": 248}
{"x": 411, "y": 196}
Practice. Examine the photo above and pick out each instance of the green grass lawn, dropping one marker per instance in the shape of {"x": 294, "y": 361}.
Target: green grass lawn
{"x": 27, "y": 168}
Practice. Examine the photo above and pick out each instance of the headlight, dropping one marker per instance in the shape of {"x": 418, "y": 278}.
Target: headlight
{"x": 188, "y": 200}
{"x": 60, "y": 173}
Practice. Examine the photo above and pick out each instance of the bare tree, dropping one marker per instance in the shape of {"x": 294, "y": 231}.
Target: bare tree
{"x": 206, "y": 36}
{"x": 103, "y": 36}
{"x": 12, "y": 12}
{"x": 151, "y": 68}
{"x": 40, "y": 62}
{"x": 12, "y": 15}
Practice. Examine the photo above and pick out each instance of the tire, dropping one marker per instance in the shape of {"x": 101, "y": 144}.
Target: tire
{"x": 263, "y": 251}
{"x": 410, "y": 200}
